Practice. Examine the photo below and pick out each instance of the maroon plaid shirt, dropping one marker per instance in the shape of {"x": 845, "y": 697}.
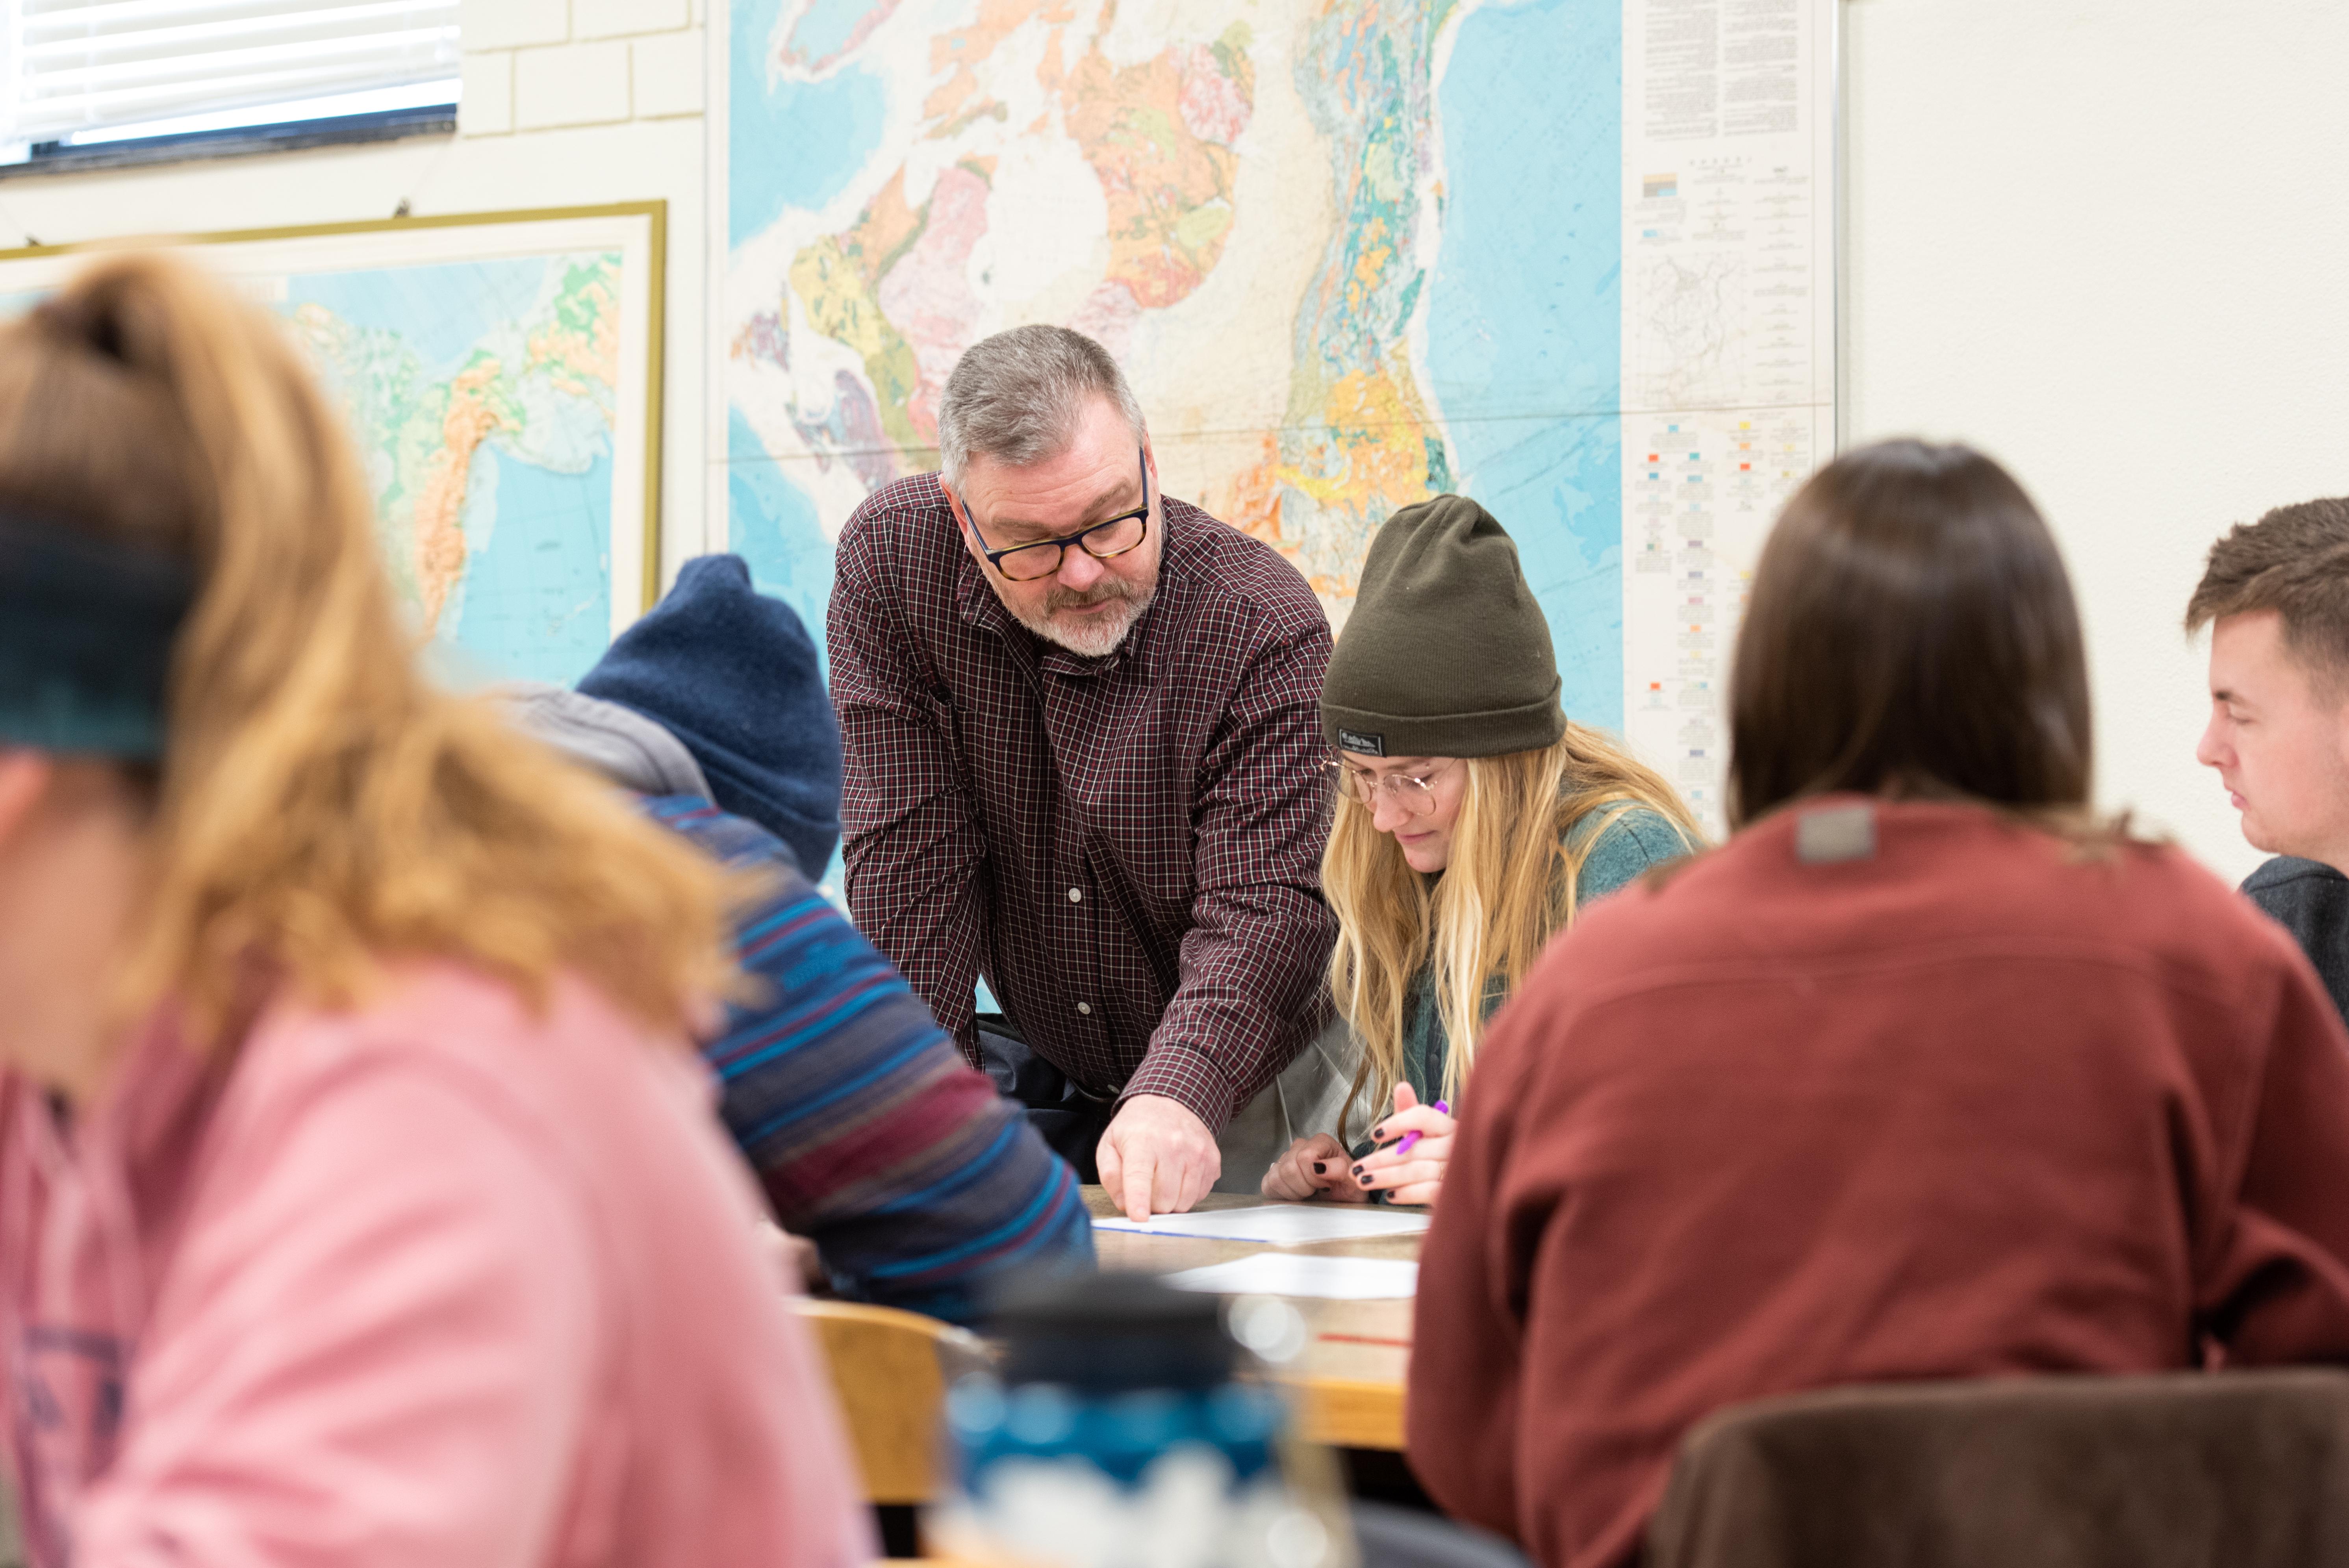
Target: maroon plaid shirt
{"x": 1127, "y": 848}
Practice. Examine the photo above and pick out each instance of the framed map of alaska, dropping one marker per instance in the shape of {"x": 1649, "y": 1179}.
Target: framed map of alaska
{"x": 500, "y": 373}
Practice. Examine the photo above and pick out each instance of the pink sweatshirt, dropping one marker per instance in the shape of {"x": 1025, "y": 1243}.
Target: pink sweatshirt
{"x": 434, "y": 1283}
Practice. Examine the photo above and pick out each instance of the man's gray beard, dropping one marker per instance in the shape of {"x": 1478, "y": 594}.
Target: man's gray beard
{"x": 1096, "y": 639}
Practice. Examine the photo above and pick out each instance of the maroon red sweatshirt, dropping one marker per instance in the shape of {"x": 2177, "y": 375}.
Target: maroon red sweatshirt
{"x": 1901, "y": 1091}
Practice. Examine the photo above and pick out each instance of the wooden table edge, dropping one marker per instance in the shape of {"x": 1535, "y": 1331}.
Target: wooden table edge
{"x": 1348, "y": 1413}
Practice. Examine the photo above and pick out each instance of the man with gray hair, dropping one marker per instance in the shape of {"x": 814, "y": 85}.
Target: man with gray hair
{"x": 1084, "y": 761}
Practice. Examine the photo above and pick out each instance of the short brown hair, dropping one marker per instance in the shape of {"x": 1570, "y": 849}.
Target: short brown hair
{"x": 2295, "y": 561}
{"x": 1912, "y": 630}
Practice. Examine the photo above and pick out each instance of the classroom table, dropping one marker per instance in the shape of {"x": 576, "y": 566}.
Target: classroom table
{"x": 1350, "y": 1378}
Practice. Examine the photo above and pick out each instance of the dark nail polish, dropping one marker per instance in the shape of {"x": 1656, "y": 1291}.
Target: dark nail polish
{"x": 1378, "y": 1133}
{"x": 1357, "y": 1171}
{"x": 1364, "y": 1180}
{"x": 1321, "y": 1167}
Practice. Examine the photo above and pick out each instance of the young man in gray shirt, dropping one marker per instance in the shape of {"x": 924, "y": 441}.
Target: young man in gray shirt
{"x": 2276, "y": 598}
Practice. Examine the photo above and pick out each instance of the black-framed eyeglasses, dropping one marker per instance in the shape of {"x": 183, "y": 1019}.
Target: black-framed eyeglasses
{"x": 1031, "y": 562}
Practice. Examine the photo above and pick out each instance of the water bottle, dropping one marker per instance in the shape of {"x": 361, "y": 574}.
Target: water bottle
{"x": 1127, "y": 1429}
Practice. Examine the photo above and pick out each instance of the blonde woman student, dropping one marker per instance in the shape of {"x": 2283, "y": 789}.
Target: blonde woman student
{"x": 360, "y": 1202}
{"x": 1474, "y": 821}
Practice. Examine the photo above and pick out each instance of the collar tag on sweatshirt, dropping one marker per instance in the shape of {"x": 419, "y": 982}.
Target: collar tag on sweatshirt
{"x": 1367, "y": 744}
{"x": 1836, "y": 833}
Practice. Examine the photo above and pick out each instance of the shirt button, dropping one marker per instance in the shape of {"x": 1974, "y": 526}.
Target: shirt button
{"x": 1076, "y": 895}
{"x": 1086, "y": 1008}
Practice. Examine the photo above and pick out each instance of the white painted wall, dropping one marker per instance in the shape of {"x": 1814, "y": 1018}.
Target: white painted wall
{"x": 567, "y": 103}
{"x": 2109, "y": 244}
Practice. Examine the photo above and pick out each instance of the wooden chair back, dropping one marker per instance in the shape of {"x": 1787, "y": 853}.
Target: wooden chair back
{"x": 2168, "y": 1470}
{"x": 891, "y": 1369}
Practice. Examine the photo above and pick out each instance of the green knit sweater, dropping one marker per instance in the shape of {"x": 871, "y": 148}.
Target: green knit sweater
{"x": 1632, "y": 841}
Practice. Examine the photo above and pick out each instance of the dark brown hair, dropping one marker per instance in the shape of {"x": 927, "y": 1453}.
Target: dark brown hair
{"x": 2295, "y": 561}
{"x": 1911, "y": 631}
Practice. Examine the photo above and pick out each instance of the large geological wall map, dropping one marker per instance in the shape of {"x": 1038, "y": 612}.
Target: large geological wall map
{"x": 1350, "y": 253}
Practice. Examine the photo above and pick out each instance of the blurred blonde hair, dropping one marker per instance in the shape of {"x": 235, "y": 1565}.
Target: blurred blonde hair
{"x": 1508, "y": 888}
{"x": 320, "y": 809}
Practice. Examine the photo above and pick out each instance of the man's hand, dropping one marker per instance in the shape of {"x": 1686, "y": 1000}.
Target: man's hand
{"x": 1158, "y": 1156}
{"x": 1315, "y": 1167}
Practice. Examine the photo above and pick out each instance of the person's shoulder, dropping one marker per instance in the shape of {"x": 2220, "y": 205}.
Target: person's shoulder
{"x": 2309, "y": 878}
{"x": 2306, "y": 898}
{"x": 553, "y": 1071}
{"x": 907, "y": 514}
{"x": 784, "y": 925}
{"x": 1786, "y": 890}
{"x": 450, "y": 1122}
{"x": 1619, "y": 843}
{"x": 438, "y": 1015}
{"x": 732, "y": 841}
{"x": 1235, "y": 570}
{"x": 2156, "y": 879}
{"x": 1629, "y": 832}
{"x": 2094, "y": 894}
{"x": 2164, "y": 913}
{"x": 897, "y": 565}
{"x": 1925, "y": 882}
{"x": 2086, "y": 882}
{"x": 916, "y": 498}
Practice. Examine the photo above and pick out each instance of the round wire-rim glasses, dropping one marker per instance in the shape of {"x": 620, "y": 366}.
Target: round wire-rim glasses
{"x": 1409, "y": 791}
{"x": 1110, "y": 537}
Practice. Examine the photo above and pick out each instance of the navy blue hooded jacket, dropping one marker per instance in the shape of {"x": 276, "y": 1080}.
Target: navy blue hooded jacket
{"x": 734, "y": 675}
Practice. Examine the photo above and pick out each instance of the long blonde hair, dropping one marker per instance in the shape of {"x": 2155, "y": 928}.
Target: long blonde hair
{"x": 1509, "y": 887}
{"x": 320, "y": 808}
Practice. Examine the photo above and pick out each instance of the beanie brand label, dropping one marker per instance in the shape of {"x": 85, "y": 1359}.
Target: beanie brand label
{"x": 1368, "y": 744}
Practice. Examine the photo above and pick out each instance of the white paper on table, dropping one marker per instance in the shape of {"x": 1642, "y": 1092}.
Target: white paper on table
{"x": 1279, "y": 1224}
{"x": 1289, "y": 1273}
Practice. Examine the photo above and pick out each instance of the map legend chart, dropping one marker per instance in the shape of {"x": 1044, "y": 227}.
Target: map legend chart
{"x": 1728, "y": 343}
{"x": 1698, "y": 503}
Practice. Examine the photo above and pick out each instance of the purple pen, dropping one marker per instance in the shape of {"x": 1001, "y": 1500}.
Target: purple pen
{"x": 1442, "y": 1107}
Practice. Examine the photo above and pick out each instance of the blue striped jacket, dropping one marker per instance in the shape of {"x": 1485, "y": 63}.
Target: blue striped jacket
{"x": 919, "y": 1185}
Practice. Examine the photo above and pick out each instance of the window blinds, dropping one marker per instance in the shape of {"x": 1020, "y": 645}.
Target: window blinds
{"x": 80, "y": 67}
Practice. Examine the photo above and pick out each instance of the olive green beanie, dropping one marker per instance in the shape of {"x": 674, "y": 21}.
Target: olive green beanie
{"x": 1447, "y": 654}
